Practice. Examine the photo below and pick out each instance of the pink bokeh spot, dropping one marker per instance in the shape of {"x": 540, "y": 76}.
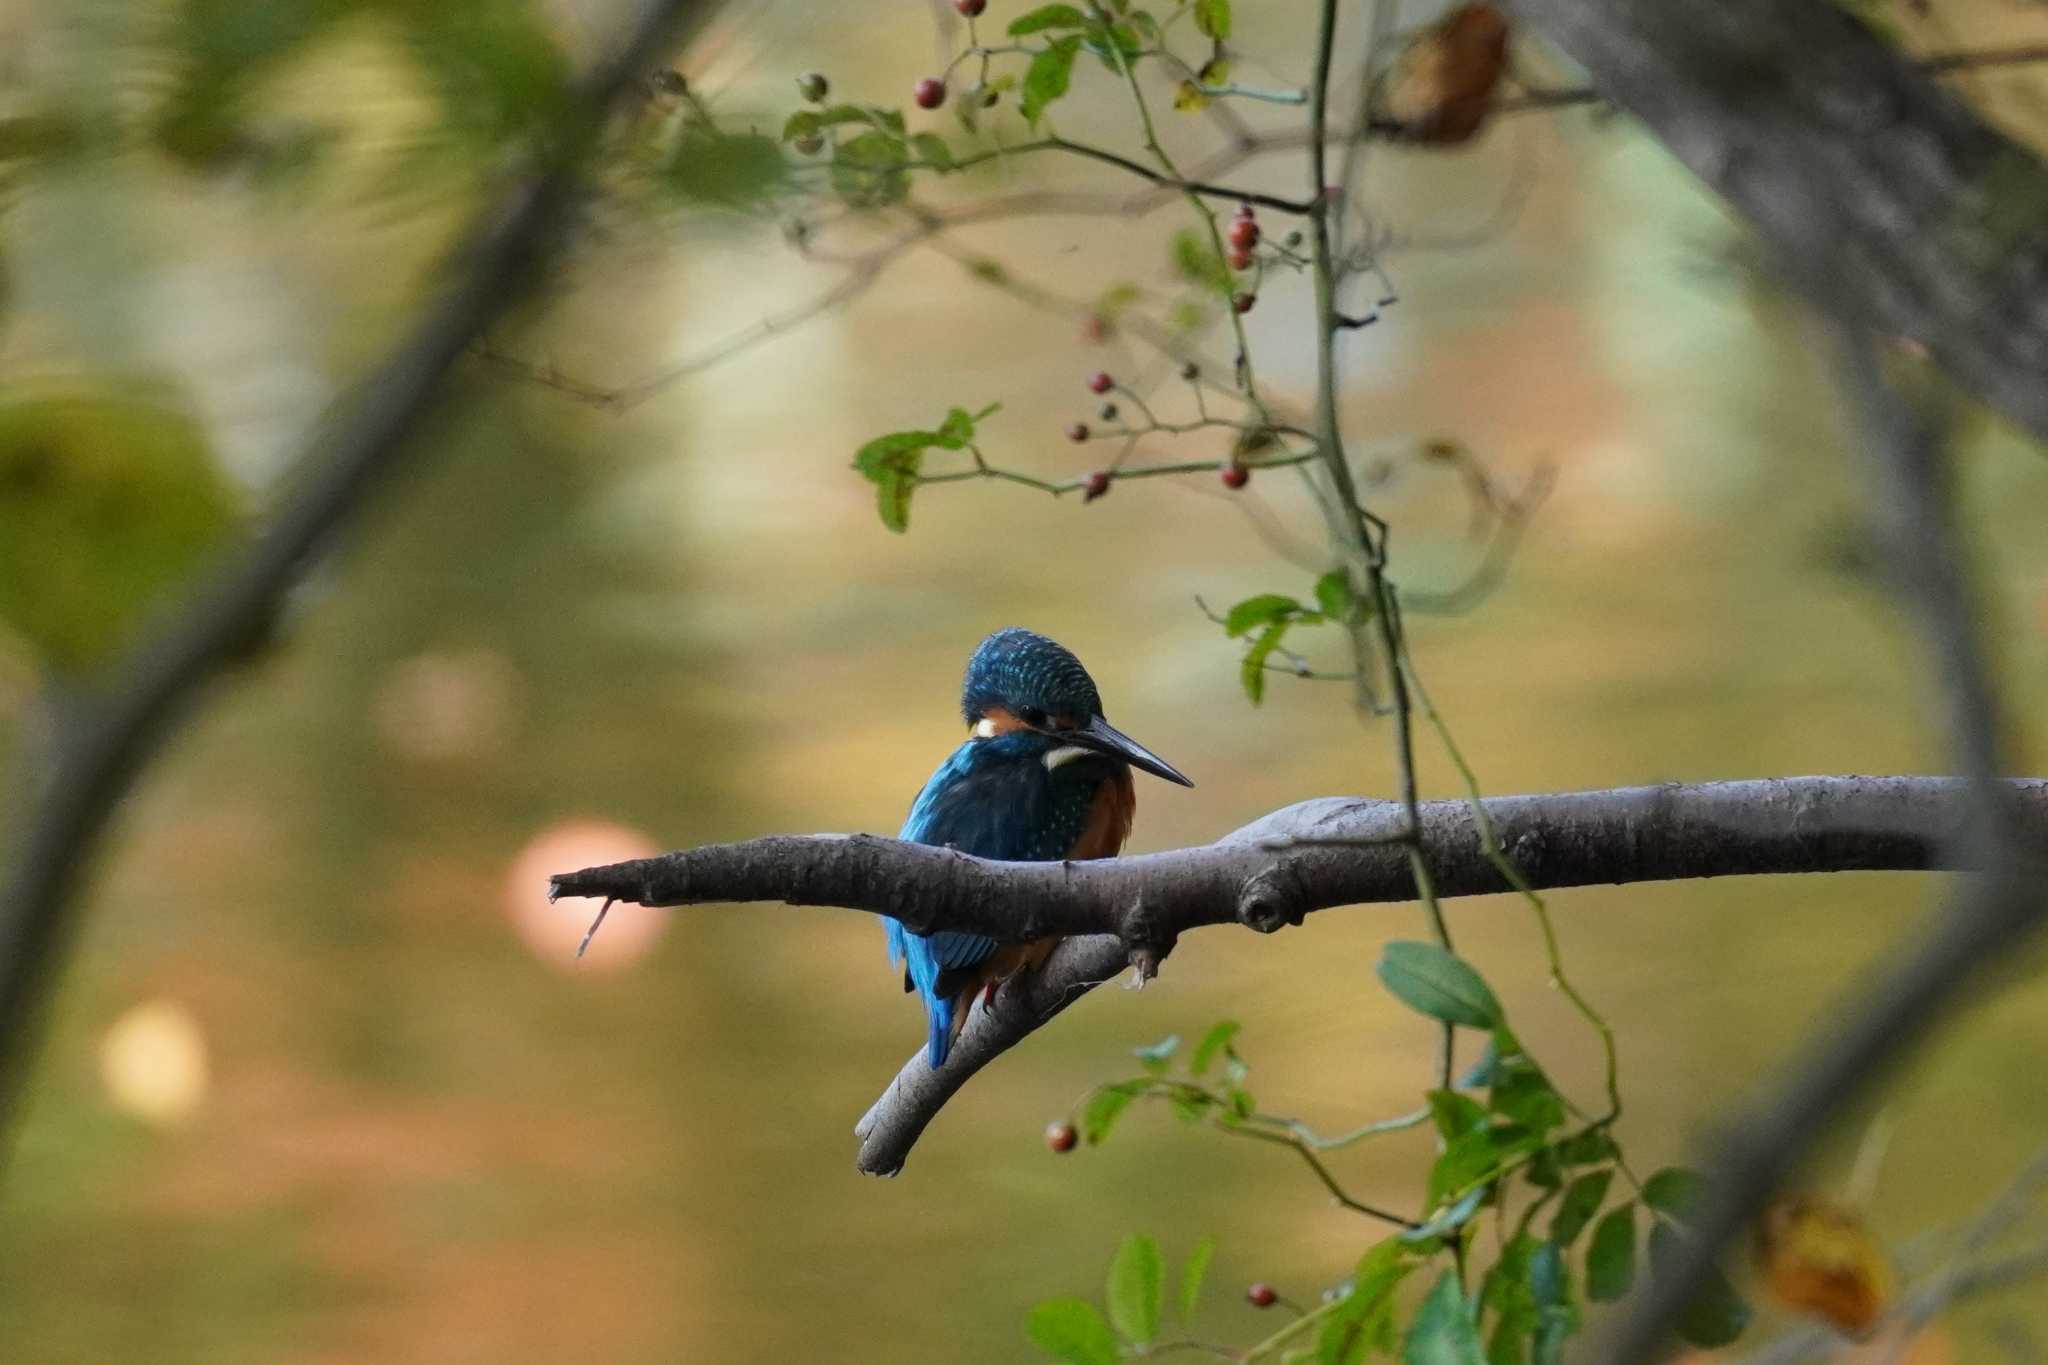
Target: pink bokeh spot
{"x": 552, "y": 931}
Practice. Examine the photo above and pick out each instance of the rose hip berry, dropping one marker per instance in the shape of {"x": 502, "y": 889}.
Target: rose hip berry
{"x": 970, "y": 8}
{"x": 1245, "y": 210}
{"x": 1244, "y": 233}
{"x": 1236, "y": 476}
{"x": 813, "y": 86}
{"x": 1262, "y": 1295}
{"x": 1240, "y": 260}
{"x": 1077, "y": 431}
{"x": 1100, "y": 382}
{"x": 930, "y": 93}
{"x": 1097, "y": 485}
{"x": 1243, "y": 302}
{"x": 1060, "y": 1136}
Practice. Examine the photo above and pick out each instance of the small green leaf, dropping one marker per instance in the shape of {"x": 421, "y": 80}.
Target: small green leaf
{"x": 957, "y": 431}
{"x": 730, "y": 169}
{"x": 1189, "y": 1106}
{"x": 1072, "y": 1330}
{"x": 1455, "y": 1115}
{"x": 1045, "y": 17}
{"x": 1334, "y": 595}
{"x": 1252, "y": 670}
{"x": 1523, "y": 1093}
{"x": 870, "y": 169}
{"x": 1137, "y": 1288}
{"x": 1582, "y": 1199}
{"x": 1676, "y": 1192}
{"x": 1156, "y": 1058}
{"x": 1363, "y": 1322}
{"x": 1048, "y": 76}
{"x": 1103, "y": 1109}
{"x": 1212, "y": 19}
{"x": 1195, "y": 259}
{"x": 1445, "y": 1331}
{"x": 1192, "y": 1275}
{"x": 1611, "y": 1258}
{"x": 932, "y": 149}
{"x": 807, "y": 121}
{"x": 1262, "y": 610}
{"x": 1717, "y": 1314}
{"x": 1431, "y": 981}
{"x": 1216, "y": 1041}
{"x": 892, "y": 464}
{"x": 1587, "y": 1148}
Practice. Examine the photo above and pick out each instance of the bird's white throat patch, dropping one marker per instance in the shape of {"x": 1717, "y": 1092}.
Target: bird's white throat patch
{"x": 1066, "y": 753}
{"x": 985, "y": 728}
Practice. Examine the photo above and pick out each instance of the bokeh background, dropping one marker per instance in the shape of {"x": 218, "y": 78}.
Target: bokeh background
{"x": 322, "y": 1083}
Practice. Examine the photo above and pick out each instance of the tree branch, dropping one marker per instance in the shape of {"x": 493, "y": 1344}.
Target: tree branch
{"x": 1934, "y": 223}
{"x": 106, "y": 742}
{"x": 1307, "y": 857}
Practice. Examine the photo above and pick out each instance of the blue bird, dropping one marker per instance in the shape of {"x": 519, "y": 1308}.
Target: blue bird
{"x": 1042, "y": 777}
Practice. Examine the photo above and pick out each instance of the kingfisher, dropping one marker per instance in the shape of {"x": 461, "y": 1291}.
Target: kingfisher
{"x": 1042, "y": 776}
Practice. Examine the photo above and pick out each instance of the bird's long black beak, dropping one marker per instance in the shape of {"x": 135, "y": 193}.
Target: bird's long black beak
{"x": 1101, "y": 735}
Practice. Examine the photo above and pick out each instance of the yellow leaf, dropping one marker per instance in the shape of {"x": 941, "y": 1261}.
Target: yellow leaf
{"x": 1189, "y": 97}
{"x": 1818, "y": 1258}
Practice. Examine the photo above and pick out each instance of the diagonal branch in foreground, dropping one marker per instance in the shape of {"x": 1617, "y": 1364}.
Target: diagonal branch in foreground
{"x": 1312, "y": 856}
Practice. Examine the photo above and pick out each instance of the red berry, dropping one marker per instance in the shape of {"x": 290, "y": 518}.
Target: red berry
{"x": 1245, "y": 210}
{"x": 1240, "y": 259}
{"x": 1236, "y": 476}
{"x": 1060, "y": 1136}
{"x": 1243, "y": 302}
{"x": 1097, "y": 485}
{"x": 930, "y": 93}
{"x": 1100, "y": 382}
{"x": 970, "y": 8}
{"x": 1244, "y": 234}
{"x": 1078, "y": 431}
{"x": 1262, "y": 1295}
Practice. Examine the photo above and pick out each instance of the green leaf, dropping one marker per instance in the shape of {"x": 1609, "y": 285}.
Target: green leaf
{"x": 1262, "y": 610}
{"x": 1103, "y": 1109}
{"x": 733, "y": 170}
{"x": 1550, "y": 1290}
{"x": 1192, "y": 1275}
{"x": 1156, "y": 1057}
{"x": 1195, "y": 259}
{"x": 1582, "y": 1199}
{"x": 1717, "y": 1314}
{"x": 957, "y": 431}
{"x": 933, "y": 150}
{"x": 1445, "y": 1331}
{"x": 1364, "y": 1321}
{"x": 1455, "y": 1115}
{"x": 1587, "y": 1148}
{"x": 1047, "y": 77}
{"x": 1217, "y": 1040}
{"x": 1676, "y": 1192}
{"x": 892, "y": 464}
{"x": 1475, "y": 1158}
{"x": 1334, "y": 595}
{"x": 1252, "y": 670}
{"x": 1045, "y": 17}
{"x": 1212, "y": 18}
{"x": 1433, "y": 982}
{"x": 870, "y": 169}
{"x": 1072, "y": 1330}
{"x": 1505, "y": 1292}
{"x": 1522, "y": 1092}
{"x": 1137, "y": 1288}
{"x": 1611, "y": 1258}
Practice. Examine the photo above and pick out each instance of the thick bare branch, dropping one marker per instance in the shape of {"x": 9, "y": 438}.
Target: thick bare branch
{"x": 1311, "y": 856}
{"x": 106, "y": 741}
{"x": 1844, "y": 156}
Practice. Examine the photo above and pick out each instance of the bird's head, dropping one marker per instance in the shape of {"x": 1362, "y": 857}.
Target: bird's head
{"x": 1020, "y": 681}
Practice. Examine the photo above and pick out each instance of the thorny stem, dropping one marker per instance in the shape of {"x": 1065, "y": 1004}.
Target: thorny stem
{"x": 1369, "y": 547}
{"x": 1208, "y": 218}
{"x": 1490, "y": 845}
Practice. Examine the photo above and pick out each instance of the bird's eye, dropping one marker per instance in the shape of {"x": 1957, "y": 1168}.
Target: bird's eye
{"x": 1033, "y": 717}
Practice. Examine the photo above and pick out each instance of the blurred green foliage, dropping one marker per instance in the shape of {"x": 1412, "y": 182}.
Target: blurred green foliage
{"x": 105, "y": 501}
